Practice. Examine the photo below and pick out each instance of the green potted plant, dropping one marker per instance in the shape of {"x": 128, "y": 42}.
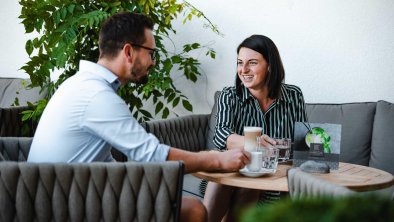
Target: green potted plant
{"x": 68, "y": 32}
{"x": 351, "y": 208}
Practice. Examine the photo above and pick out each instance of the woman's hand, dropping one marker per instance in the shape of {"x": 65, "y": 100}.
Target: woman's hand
{"x": 266, "y": 141}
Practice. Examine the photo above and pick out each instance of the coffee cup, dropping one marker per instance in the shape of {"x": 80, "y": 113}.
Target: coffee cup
{"x": 255, "y": 164}
{"x": 250, "y": 135}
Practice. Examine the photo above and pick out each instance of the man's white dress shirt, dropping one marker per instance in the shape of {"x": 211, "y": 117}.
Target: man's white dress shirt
{"x": 85, "y": 117}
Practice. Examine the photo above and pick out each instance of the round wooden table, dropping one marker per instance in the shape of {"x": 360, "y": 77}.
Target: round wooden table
{"x": 355, "y": 177}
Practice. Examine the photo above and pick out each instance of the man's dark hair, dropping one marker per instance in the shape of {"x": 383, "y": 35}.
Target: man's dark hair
{"x": 120, "y": 29}
{"x": 276, "y": 73}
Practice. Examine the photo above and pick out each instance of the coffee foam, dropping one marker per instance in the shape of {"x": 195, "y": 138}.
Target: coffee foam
{"x": 250, "y": 133}
{"x": 252, "y": 129}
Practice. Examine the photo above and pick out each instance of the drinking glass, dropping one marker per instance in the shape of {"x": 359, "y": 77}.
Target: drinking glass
{"x": 270, "y": 156}
{"x": 270, "y": 159}
{"x": 250, "y": 134}
{"x": 284, "y": 147}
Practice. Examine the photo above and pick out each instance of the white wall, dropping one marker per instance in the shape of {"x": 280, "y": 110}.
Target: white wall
{"x": 12, "y": 40}
{"x": 336, "y": 51}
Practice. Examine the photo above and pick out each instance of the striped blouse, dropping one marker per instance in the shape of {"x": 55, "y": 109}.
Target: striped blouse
{"x": 235, "y": 112}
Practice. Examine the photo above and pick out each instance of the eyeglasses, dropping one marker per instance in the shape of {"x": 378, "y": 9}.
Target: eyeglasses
{"x": 153, "y": 52}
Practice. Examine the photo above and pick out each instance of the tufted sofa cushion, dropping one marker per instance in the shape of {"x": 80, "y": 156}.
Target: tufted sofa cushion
{"x": 11, "y": 124}
{"x": 90, "y": 192}
{"x": 186, "y": 132}
{"x": 356, "y": 120}
{"x": 304, "y": 185}
{"x": 15, "y": 148}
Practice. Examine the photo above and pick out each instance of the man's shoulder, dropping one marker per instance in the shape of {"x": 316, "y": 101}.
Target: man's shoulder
{"x": 89, "y": 80}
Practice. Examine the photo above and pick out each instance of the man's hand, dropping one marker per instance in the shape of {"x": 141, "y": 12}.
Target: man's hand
{"x": 233, "y": 160}
{"x": 228, "y": 161}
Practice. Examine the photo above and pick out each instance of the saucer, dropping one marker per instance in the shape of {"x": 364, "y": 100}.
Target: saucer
{"x": 263, "y": 171}
{"x": 285, "y": 161}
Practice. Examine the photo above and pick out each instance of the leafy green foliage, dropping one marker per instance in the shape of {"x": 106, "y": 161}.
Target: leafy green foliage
{"x": 68, "y": 32}
{"x": 351, "y": 208}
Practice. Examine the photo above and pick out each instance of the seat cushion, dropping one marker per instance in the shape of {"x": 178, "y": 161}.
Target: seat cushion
{"x": 357, "y": 122}
{"x": 382, "y": 148}
{"x": 99, "y": 191}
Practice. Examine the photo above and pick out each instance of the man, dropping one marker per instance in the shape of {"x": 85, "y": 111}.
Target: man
{"x": 86, "y": 117}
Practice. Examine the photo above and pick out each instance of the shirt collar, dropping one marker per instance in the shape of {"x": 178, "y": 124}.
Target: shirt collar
{"x": 283, "y": 97}
{"x": 246, "y": 95}
{"x": 101, "y": 71}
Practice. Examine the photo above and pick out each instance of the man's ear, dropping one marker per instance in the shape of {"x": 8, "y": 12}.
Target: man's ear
{"x": 127, "y": 51}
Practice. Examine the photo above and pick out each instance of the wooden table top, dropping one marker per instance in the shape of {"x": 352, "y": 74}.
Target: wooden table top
{"x": 355, "y": 177}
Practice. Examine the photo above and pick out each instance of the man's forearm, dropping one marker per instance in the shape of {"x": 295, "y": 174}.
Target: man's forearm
{"x": 201, "y": 161}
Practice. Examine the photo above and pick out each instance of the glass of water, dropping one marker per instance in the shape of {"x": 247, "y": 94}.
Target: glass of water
{"x": 270, "y": 156}
{"x": 284, "y": 147}
{"x": 270, "y": 159}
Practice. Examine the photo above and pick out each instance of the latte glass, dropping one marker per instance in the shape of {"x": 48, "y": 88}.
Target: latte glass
{"x": 250, "y": 135}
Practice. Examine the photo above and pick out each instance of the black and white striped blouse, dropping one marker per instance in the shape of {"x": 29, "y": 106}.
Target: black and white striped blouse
{"x": 235, "y": 112}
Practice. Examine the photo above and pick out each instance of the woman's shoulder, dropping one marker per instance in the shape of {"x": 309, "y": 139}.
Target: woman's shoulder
{"x": 292, "y": 88}
{"x": 229, "y": 91}
{"x": 291, "y": 92}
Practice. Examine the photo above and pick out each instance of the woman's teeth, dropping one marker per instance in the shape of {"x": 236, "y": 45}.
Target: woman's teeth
{"x": 248, "y": 77}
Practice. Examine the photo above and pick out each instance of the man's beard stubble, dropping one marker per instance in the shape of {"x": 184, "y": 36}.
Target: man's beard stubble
{"x": 140, "y": 81}
{"x": 137, "y": 72}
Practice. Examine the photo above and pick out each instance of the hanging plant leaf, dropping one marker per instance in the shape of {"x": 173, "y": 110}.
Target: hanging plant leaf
{"x": 68, "y": 32}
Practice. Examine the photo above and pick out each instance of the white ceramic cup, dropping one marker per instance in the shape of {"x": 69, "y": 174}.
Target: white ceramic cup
{"x": 256, "y": 161}
{"x": 250, "y": 135}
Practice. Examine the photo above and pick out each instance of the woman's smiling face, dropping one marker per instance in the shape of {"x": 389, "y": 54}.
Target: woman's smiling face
{"x": 251, "y": 68}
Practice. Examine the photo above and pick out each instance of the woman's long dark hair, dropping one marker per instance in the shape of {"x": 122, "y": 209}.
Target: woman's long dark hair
{"x": 276, "y": 73}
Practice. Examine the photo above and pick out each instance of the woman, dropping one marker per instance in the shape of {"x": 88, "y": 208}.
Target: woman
{"x": 259, "y": 98}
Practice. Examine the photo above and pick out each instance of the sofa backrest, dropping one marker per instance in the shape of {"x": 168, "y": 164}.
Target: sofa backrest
{"x": 15, "y": 148}
{"x": 185, "y": 132}
{"x": 357, "y": 122}
{"x": 210, "y": 131}
{"x": 10, "y": 88}
{"x": 11, "y": 123}
{"x": 382, "y": 147}
{"x": 97, "y": 191}
{"x": 18, "y": 148}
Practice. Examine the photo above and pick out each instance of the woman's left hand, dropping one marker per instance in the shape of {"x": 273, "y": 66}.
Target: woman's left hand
{"x": 266, "y": 141}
